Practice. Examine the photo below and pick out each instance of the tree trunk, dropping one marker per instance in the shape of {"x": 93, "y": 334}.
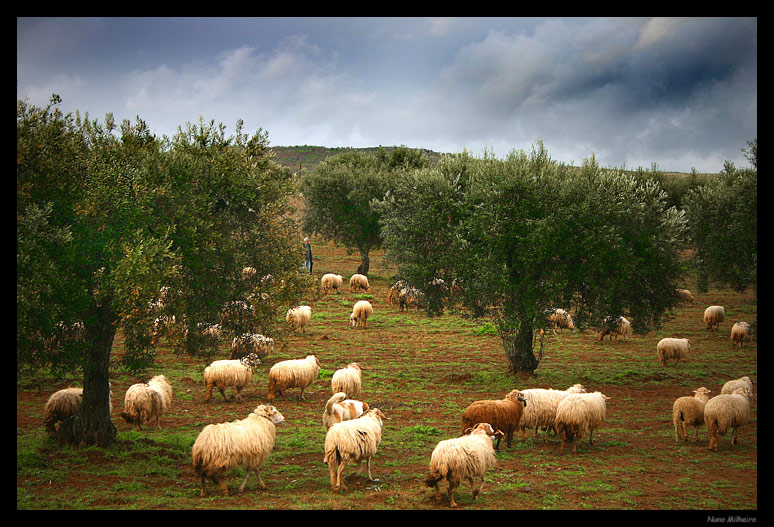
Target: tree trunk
{"x": 519, "y": 348}
{"x": 92, "y": 424}
{"x": 365, "y": 262}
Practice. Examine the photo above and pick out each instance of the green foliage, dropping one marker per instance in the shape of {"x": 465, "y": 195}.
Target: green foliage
{"x": 525, "y": 234}
{"x": 339, "y": 194}
{"x": 723, "y": 224}
{"x": 107, "y": 216}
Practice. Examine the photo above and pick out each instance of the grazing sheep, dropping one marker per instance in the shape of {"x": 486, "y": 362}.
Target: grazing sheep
{"x": 579, "y": 413}
{"x": 540, "y": 410}
{"x": 394, "y": 293}
{"x": 331, "y": 282}
{"x": 294, "y": 373}
{"x": 299, "y": 317}
{"x": 503, "y": 414}
{"x": 410, "y": 297}
{"x": 561, "y": 319}
{"x": 146, "y": 401}
{"x": 689, "y": 411}
{"x": 685, "y": 295}
{"x": 737, "y": 385}
{"x": 61, "y": 405}
{"x": 245, "y": 442}
{"x": 256, "y": 343}
{"x": 727, "y": 410}
{"x": 740, "y": 332}
{"x": 358, "y": 283}
{"x": 672, "y": 348}
{"x": 64, "y": 404}
{"x": 355, "y": 440}
{"x": 462, "y": 458}
{"x": 713, "y": 316}
{"x": 619, "y": 327}
{"x": 339, "y": 408}
{"x": 360, "y": 313}
{"x": 232, "y": 373}
{"x": 347, "y": 380}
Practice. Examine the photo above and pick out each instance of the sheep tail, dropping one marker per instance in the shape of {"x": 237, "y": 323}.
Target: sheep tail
{"x": 336, "y": 398}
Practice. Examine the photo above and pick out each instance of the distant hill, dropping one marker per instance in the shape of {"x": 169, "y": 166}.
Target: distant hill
{"x": 305, "y": 157}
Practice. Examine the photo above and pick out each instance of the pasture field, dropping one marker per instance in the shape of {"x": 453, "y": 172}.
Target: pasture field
{"x": 421, "y": 372}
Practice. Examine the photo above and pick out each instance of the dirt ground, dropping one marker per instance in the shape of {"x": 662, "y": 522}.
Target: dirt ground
{"x": 635, "y": 464}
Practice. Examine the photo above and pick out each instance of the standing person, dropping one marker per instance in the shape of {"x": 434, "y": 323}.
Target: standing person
{"x": 308, "y": 263}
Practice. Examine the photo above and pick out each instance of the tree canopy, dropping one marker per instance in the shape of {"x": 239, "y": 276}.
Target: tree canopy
{"x": 110, "y": 216}
{"x": 338, "y": 196}
{"x": 526, "y": 234}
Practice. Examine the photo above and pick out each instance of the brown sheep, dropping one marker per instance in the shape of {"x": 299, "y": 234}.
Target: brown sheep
{"x": 503, "y": 414}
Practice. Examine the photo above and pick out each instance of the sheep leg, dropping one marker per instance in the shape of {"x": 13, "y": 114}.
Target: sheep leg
{"x": 238, "y": 394}
{"x": 369, "y": 463}
{"x": 450, "y": 492}
{"x": 244, "y": 481}
{"x": 591, "y": 437}
{"x": 339, "y": 480}
{"x": 733, "y": 438}
{"x": 696, "y": 434}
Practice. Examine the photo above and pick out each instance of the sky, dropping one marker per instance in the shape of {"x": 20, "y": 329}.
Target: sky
{"x": 678, "y": 93}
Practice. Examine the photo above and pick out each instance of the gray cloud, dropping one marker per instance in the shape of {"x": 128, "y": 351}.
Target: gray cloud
{"x": 678, "y": 92}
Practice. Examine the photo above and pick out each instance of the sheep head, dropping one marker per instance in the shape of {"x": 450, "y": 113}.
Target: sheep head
{"x": 269, "y": 412}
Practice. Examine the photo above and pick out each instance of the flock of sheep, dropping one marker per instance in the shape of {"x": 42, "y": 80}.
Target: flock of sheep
{"x": 354, "y": 430}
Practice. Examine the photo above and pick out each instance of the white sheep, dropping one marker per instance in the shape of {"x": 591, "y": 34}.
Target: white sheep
{"x": 468, "y": 457}
{"x": 540, "y": 411}
{"x": 579, "y": 413}
{"x": 64, "y": 404}
{"x": 738, "y": 385}
{"x": 246, "y": 442}
{"x": 299, "y": 317}
{"x": 685, "y": 295}
{"x": 235, "y": 374}
{"x": 727, "y": 410}
{"x": 619, "y": 327}
{"x": 243, "y": 345}
{"x": 294, "y": 373}
{"x": 348, "y": 380}
{"x": 689, "y": 411}
{"x": 339, "y": 408}
{"x": 740, "y": 332}
{"x": 360, "y": 313}
{"x": 331, "y": 282}
{"x": 672, "y": 348}
{"x": 561, "y": 319}
{"x": 146, "y": 401}
{"x": 713, "y": 316}
{"x": 353, "y": 441}
{"x": 358, "y": 283}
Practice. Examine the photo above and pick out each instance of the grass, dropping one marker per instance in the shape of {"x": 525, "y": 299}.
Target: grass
{"x": 422, "y": 372}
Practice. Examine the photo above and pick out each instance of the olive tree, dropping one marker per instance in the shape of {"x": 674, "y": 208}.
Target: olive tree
{"x": 109, "y": 215}
{"x": 339, "y": 191}
{"x": 723, "y": 227}
{"x": 526, "y": 234}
